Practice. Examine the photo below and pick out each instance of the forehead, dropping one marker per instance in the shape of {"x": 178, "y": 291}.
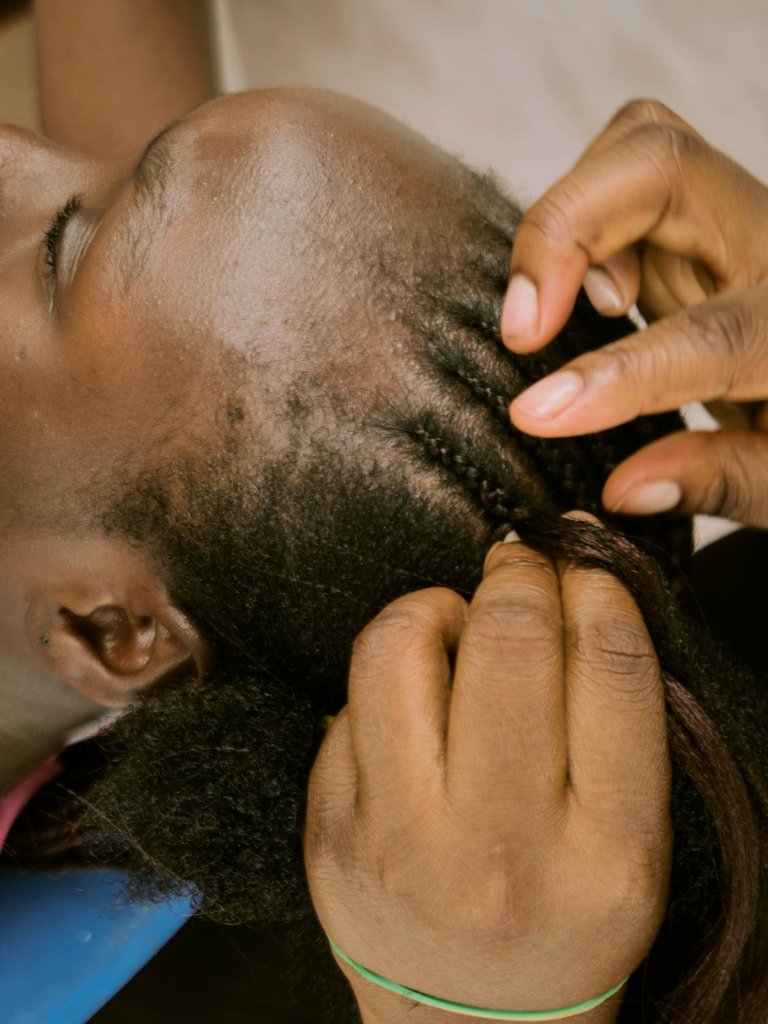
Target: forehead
{"x": 222, "y": 200}
{"x": 275, "y": 157}
{"x": 258, "y": 220}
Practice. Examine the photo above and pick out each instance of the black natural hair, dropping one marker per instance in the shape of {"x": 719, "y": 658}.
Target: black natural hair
{"x": 283, "y": 564}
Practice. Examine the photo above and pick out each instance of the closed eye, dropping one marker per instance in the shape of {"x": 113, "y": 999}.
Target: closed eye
{"x": 52, "y": 237}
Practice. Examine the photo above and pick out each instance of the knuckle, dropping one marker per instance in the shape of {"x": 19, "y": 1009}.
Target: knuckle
{"x": 629, "y": 365}
{"x": 730, "y": 491}
{"x": 670, "y": 150}
{"x": 510, "y": 653}
{"x": 639, "y": 877}
{"x": 398, "y": 626}
{"x": 325, "y": 833}
{"x": 549, "y": 218}
{"x": 498, "y": 892}
{"x": 395, "y": 860}
{"x": 624, "y": 364}
{"x": 322, "y": 841}
{"x": 618, "y": 651}
{"x": 631, "y": 865}
{"x": 503, "y": 624}
{"x": 726, "y": 331}
{"x": 513, "y": 562}
{"x": 715, "y": 498}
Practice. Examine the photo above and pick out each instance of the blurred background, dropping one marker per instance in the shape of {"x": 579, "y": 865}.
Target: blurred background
{"x": 518, "y": 86}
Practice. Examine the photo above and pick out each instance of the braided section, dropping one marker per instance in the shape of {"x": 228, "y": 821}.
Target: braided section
{"x": 487, "y": 492}
{"x": 573, "y": 484}
{"x": 493, "y": 399}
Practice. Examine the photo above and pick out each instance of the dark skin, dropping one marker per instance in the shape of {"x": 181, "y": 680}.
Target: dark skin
{"x": 411, "y": 775}
{"x": 127, "y": 364}
{"x": 88, "y": 63}
{"x": 117, "y": 361}
{"x": 113, "y": 596}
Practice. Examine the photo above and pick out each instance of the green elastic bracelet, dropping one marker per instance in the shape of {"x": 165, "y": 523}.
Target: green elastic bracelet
{"x": 475, "y": 1011}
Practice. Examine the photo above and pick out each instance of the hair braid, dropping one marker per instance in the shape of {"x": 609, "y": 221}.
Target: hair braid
{"x": 461, "y": 337}
{"x": 486, "y": 491}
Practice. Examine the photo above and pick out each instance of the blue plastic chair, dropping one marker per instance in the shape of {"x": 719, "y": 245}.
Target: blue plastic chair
{"x": 68, "y": 943}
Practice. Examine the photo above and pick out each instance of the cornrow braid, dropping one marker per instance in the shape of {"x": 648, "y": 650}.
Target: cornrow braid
{"x": 460, "y": 335}
{"x": 487, "y": 492}
{"x": 713, "y": 934}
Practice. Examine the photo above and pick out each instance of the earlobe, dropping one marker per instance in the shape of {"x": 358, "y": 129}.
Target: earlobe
{"x": 111, "y": 653}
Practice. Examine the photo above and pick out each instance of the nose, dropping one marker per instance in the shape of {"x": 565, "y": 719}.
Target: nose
{"x": 36, "y": 175}
{"x": 13, "y": 134}
{"x": 11, "y": 139}
{"x": 18, "y": 168}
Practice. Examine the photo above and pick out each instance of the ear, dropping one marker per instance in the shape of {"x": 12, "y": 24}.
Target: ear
{"x": 112, "y": 643}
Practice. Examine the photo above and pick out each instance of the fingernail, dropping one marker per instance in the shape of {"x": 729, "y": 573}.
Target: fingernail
{"x": 655, "y": 496}
{"x": 494, "y": 551}
{"x": 520, "y": 317}
{"x": 602, "y": 291}
{"x": 551, "y": 396}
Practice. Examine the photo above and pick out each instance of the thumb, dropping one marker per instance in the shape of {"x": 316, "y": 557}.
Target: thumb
{"x": 718, "y": 473}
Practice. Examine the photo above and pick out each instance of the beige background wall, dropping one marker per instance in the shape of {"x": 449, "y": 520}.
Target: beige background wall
{"x": 518, "y": 85}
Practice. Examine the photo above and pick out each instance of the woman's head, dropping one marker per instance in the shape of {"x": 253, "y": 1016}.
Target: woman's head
{"x": 193, "y": 301}
{"x": 362, "y": 450}
{"x": 282, "y": 404}
{"x": 277, "y": 277}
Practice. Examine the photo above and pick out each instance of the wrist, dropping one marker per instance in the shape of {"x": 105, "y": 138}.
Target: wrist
{"x": 380, "y": 1007}
{"x": 403, "y": 1014}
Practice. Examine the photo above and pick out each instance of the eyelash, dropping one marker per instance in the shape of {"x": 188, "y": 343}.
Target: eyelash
{"x": 52, "y": 237}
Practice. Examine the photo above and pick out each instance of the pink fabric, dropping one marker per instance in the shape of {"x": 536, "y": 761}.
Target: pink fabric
{"x": 14, "y": 801}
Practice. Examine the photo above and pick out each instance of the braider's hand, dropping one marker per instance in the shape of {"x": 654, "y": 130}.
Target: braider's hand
{"x": 488, "y": 817}
{"x": 651, "y": 213}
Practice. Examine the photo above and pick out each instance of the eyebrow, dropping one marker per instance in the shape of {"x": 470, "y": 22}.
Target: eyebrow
{"x": 149, "y": 210}
{"x": 150, "y": 172}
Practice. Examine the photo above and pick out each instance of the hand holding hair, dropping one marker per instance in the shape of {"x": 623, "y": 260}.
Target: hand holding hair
{"x": 652, "y": 214}
{"x": 488, "y": 818}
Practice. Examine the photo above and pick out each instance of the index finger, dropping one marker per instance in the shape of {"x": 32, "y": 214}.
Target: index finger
{"x": 714, "y": 350}
{"x": 658, "y": 181}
